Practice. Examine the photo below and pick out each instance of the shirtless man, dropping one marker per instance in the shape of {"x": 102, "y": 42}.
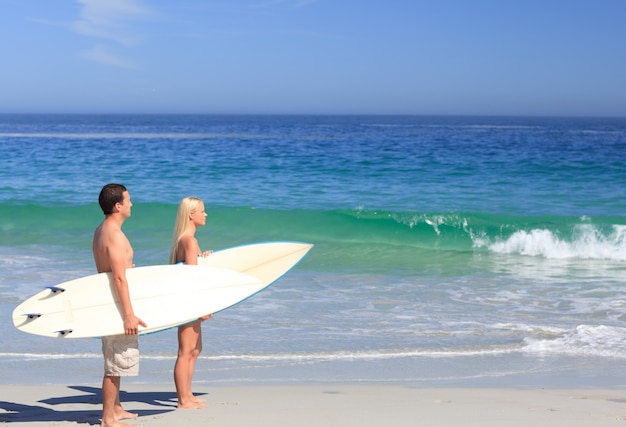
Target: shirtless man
{"x": 112, "y": 252}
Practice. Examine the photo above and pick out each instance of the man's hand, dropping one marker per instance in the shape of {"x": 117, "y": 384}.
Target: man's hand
{"x": 132, "y": 323}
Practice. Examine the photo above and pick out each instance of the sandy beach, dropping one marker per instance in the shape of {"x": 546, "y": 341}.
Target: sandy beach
{"x": 320, "y": 405}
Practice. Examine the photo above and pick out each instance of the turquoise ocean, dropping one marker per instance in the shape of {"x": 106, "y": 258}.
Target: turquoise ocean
{"x": 448, "y": 250}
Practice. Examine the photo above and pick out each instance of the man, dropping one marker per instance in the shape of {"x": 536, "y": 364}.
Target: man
{"x": 113, "y": 253}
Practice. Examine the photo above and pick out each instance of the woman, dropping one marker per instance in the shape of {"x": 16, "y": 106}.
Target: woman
{"x": 185, "y": 249}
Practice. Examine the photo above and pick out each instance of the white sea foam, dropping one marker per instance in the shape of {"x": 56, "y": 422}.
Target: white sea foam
{"x": 290, "y": 357}
{"x": 587, "y": 242}
{"x": 48, "y": 356}
{"x": 585, "y": 340}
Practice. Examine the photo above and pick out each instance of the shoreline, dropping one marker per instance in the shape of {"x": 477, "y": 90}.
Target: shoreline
{"x": 331, "y": 404}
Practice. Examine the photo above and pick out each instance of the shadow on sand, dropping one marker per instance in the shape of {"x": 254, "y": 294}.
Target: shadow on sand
{"x": 19, "y": 412}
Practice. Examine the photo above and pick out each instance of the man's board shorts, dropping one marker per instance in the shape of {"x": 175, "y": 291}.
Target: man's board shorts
{"x": 121, "y": 355}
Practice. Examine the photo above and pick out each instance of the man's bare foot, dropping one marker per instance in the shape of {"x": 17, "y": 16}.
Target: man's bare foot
{"x": 125, "y": 415}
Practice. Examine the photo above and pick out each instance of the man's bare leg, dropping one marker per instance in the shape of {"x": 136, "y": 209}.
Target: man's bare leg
{"x": 112, "y": 410}
{"x": 120, "y": 413}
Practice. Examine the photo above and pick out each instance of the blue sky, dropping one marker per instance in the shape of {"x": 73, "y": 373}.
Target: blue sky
{"x": 468, "y": 57}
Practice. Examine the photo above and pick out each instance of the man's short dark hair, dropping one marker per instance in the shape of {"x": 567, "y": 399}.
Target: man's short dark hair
{"x": 109, "y": 196}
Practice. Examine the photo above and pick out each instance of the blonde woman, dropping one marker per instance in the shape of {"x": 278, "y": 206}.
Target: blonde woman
{"x": 185, "y": 249}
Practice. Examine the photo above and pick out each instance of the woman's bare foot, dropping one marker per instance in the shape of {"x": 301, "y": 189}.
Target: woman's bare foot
{"x": 197, "y": 399}
{"x": 192, "y": 404}
{"x": 114, "y": 424}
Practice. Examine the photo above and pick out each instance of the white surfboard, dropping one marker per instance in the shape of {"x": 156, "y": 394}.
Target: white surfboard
{"x": 163, "y": 296}
{"x": 265, "y": 261}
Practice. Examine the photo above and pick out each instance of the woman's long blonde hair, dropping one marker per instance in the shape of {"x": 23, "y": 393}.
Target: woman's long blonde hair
{"x": 186, "y": 207}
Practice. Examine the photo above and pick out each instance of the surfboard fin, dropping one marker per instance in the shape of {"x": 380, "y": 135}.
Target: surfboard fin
{"x": 64, "y": 332}
{"x": 55, "y": 289}
{"x": 32, "y": 316}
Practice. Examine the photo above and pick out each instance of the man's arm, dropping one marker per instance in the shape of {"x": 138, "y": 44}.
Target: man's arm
{"x": 118, "y": 259}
